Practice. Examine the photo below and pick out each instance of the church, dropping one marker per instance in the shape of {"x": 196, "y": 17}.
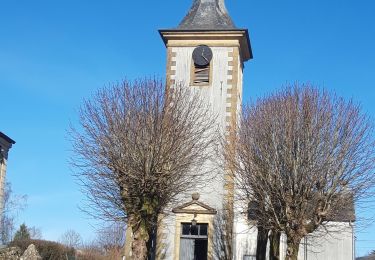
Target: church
{"x": 207, "y": 52}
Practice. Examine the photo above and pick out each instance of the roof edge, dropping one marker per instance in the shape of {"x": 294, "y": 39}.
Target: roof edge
{"x": 7, "y": 138}
{"x": 243, "y": 30}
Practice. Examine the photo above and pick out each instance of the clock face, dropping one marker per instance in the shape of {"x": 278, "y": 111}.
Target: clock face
{"x": 202, "y": 55}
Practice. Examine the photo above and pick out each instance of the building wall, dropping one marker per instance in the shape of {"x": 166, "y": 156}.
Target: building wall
{"x": 2, "y": 182}
{"x": 216, "y": 94}
{"x": 5, "y": 145}
{"x": 223, "y": 94}
{"x": 338, "y": 243}
{"x": 245, "y": 236}
{"x": 335, "y": 241}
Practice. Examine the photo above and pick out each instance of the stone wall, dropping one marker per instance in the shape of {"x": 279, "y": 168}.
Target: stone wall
{"x": 10, "y": 253}
{"x": 15, "y": 253}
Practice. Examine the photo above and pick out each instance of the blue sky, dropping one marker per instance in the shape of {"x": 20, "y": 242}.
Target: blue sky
{"x": 55, "y": 53}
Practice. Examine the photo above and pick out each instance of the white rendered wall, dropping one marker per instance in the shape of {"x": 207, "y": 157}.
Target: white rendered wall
{"x": 216, "y": 93}
{"x": 336, "y": 244}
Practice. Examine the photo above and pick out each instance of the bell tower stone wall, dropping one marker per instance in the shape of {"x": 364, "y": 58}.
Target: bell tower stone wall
{"x": 224, "y": 94}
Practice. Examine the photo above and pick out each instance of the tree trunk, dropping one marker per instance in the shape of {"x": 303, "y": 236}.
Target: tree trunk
{"x": 143, "y": 245}
{"x": 275, "y": 245}
{"x": 151, "y": 244}
{"x": 292, "y": 250}
{"x": 139, "y": 244}
{"x": 262, "y": 243}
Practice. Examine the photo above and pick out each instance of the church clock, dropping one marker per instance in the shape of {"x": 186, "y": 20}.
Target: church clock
{"x": 202, "y": 55}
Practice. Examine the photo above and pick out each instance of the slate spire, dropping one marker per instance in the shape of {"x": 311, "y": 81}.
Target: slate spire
{"x": 207, "y": 15}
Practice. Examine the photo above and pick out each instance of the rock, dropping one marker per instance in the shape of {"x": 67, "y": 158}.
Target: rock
{"x": 10, "y": 253}
{"x": 31, "y": 253}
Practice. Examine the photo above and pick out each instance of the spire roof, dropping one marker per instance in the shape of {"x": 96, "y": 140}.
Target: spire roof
{"x": 207, "y": 15}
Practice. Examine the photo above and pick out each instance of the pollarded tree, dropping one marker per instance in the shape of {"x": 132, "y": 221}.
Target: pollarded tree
{"x": 139, "y": 146}
{"x": 303, "y": 155}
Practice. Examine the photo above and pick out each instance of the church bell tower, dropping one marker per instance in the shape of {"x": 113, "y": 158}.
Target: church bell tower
{"x": 206, "y": 52}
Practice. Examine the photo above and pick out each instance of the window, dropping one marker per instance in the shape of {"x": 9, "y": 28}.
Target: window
{"x": 252, "y": 210}
{"x": 194, "y": 231}
{"x": 201, "y": 74}
{"x": 194, "y": 242}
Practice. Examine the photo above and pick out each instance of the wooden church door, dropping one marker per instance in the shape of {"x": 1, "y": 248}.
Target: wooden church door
{"x": 194, "y": 242}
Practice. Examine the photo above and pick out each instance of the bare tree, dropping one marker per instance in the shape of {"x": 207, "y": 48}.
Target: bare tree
{"x": 111, "y": 239}
{"x": 12, "y": 205}
{"x": 71, "y": 238}
{"x": 222, "y": 242}
{"x": 108, "y": 243}
{"x": 35, "y": 233}
{"x": 303, "y": 156}
{"x": 91, "y": 251}
{"x": 138, "y": 147}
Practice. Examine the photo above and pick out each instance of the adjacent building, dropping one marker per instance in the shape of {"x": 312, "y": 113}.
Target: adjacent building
{"x": 5, "y": 145}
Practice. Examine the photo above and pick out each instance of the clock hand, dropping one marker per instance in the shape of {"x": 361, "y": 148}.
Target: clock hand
{"x": 204, "y": 56}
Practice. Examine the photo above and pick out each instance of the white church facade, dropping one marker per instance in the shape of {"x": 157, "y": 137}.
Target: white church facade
{"x": 208, "y": 52}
